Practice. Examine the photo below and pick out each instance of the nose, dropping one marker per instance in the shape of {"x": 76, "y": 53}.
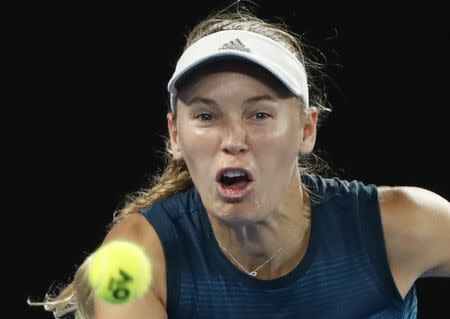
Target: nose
{"x": 234, "y": 139}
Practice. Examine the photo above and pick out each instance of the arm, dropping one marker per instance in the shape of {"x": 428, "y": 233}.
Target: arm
{"x": 416, "y": 223}
{"x": 152, "y": 305}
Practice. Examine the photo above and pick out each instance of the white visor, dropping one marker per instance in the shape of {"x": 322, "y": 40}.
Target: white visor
{"x": 250, "y": 46}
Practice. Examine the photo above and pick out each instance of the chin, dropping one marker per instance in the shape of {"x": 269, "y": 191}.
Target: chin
{"x": 236, "y": 214}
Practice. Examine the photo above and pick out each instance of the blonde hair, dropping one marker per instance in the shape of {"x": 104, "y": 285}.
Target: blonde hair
{"x": 76, "y": 298}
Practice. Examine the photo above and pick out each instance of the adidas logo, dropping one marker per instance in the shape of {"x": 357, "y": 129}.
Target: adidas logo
{"x": 235, "y": 45}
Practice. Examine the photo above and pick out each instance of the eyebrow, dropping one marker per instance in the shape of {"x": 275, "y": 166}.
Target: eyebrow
{"x": 203, "y": 100}
{"x": 210, "y": 102}
{"x": 259, "y": 98}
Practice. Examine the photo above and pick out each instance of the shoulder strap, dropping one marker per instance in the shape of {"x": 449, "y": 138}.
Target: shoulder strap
{"x": 373, "y": 239}
{"x": 168, "y": 236}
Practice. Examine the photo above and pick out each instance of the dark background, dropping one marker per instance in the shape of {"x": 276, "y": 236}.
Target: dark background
{"x": 86, "y": 124}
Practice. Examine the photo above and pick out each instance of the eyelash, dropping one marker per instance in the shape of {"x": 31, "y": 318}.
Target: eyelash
{"x": 266, "y": 115}
{"x": 202, "y": 115}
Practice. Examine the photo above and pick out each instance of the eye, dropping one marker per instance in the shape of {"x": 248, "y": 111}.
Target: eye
{"x": 204, "y": 117}
{"x": 261, "y": 115}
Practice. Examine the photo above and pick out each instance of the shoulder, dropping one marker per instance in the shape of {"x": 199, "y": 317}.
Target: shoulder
{"x": 136, "y": 228}
{"x": 416, "y": 226}
{"x": 323, "y": 189}
{"x": 173, "y": 207}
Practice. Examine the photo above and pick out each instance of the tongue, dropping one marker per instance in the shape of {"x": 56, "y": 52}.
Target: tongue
{"x": 237, "y": 185}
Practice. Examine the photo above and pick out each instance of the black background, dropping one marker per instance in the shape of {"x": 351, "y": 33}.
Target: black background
{"x": 86, "y": 124}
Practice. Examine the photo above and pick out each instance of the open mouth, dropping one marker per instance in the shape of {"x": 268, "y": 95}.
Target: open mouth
{"x": 234, "y": 183}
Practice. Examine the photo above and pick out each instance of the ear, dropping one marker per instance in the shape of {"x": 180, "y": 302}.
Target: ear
{"x": 309, "y": 131}
{"x": 173, "y": 133}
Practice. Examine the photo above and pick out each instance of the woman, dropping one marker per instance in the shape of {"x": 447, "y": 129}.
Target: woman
{"x": 237, "y": 228}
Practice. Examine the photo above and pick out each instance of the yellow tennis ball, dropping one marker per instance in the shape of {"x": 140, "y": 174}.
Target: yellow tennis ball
{"x": 119, "y": 272}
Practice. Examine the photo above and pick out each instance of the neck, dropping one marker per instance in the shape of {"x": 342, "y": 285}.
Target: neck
{"x": 282, "y": 237}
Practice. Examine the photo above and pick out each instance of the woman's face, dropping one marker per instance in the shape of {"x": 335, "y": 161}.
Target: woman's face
{"x": 240, "y": 133}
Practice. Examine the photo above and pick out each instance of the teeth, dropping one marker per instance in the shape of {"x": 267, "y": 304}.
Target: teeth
{"x": 234, "y": 173}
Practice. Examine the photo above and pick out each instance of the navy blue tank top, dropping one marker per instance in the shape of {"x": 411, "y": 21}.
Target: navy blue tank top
{"x": 344, "y": 273}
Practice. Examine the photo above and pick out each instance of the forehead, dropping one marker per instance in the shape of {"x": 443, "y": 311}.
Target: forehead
{"x": 236, "y": 66}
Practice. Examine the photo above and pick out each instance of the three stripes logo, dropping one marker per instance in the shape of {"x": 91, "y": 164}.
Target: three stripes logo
{"x": 235, "y": 45}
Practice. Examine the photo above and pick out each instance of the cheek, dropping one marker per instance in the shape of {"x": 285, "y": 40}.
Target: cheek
{"x": 277, "y": 155}
{"x": 281, "y": 139}
{"x": 197, "y": 144}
